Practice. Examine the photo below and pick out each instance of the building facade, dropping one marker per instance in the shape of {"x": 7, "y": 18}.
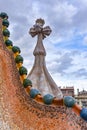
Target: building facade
{"x": 81, "y": 98}
{"x": 68, "y": 91}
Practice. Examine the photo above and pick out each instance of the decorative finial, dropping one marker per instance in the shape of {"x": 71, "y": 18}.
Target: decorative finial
{"x": 40, "y": 22}
{"x": 38, "y": 28}
{"x": 39, "y": 74}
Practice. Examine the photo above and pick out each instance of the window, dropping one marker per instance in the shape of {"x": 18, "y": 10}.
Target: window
{"x": 84, "y": 103}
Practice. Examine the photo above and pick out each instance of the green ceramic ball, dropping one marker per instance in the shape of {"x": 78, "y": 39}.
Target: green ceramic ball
{"x": 22, "y": 70}
{"x": 27, "y": 82}
{"x": 19, "y": 59}
{"x": 8, "y": 43}
{"x": 3, "y": 15}
{"x": 6, "y": 32}
{"x": 16, "y": 49}
{"x": 5, "y": 22}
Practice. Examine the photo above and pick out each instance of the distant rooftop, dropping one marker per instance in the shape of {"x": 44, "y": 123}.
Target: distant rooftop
{"x": 83, "y": 92}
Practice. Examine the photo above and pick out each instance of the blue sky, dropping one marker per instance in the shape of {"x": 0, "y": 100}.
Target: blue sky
{"x": 66, "y": 46}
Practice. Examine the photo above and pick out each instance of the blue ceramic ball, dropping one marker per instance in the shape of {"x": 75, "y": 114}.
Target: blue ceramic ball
{"x": 34, "y": 93}
{"x": 69, "y": 101}
{"x": 48, "y": 98}
{"x": 83, "y": 113}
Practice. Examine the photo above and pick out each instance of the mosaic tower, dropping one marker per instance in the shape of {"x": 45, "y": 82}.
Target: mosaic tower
{"x": 24, "y": 106}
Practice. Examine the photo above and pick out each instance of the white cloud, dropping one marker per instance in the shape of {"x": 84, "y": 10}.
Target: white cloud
{"x": 85, "y": 40}
{"x": 67, "y": 19}
{"x": 81, "y": 84}
{"x": 65, "y": 12}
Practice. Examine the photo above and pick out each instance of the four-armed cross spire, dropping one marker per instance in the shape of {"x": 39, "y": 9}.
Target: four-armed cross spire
{"x": 39, "y": 75}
